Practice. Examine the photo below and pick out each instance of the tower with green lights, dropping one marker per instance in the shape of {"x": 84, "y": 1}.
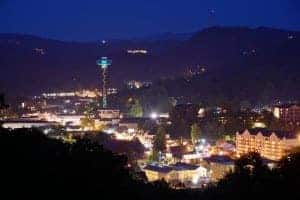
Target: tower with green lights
{"x": 104, "y": 62}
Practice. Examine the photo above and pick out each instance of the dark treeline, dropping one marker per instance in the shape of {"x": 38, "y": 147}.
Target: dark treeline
{"x": 3, "y": 104}
{"x": 33, "y": 165}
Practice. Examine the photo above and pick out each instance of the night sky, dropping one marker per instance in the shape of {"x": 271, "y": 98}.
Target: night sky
{"x": 99, "y": 19}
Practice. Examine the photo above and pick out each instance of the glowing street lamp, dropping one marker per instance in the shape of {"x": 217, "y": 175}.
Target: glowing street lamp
{"x": 153, "y": 115}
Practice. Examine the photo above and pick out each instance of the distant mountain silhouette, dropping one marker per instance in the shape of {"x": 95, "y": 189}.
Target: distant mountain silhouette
{"x": 31, "y": 64}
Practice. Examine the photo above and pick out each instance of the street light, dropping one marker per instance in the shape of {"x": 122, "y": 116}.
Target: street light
{"x": 153, "y": 115}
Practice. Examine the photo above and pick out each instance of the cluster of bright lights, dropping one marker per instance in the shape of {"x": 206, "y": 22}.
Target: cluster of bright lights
{"x": 276, "y": 113}
{"x": 202, "y": 147}
{"x": 87, "y": 93}
{"x": 47, "y": 131}
{"x": 109, "y": 131}
{"x": 259, "y": 125}
{"x": 104, "y": 62}
{"x": 121, "y": 136}
{"x": 61, "y": 94}
{"x": 137, "y": 51}
{"x": 131, "y": 130}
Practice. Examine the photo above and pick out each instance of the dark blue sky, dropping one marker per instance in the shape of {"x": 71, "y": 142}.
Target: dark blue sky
{"x": 98, "y": 19}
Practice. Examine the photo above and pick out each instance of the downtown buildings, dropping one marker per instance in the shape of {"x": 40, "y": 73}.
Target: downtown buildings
{"x": 288, "y": 113}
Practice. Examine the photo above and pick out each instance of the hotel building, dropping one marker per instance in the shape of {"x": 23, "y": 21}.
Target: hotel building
{"x": 272, "y": 145}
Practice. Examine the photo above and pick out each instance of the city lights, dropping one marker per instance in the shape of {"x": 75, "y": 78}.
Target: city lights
{"x": 212, "y": 113}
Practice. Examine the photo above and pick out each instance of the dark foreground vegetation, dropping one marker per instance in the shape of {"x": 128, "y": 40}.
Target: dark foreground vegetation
{"x": 34, "y": 166}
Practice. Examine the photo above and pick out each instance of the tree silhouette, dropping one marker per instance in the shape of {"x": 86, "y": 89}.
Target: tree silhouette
{"x": 159, "y": 143}
{"x": 32, "y": 164}
{"x": 2, "y": 101}
{"x": 136, "y": 109}
{"x": 195, "y": 133}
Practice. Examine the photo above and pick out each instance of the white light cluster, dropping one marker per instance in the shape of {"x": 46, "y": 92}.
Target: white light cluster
{"x": 137, "y": 51}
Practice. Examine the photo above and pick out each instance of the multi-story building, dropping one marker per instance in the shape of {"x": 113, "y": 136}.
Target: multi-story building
{"x": 289, "y": 113}
{"x": 109, "y": 114}
{"x": 179, "y": 172}
{"x": 26, "y": 123}
{"x": 272, "y": 145}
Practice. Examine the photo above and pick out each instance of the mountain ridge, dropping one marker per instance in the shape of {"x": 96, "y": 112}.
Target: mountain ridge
{"x": 33, "y": 64}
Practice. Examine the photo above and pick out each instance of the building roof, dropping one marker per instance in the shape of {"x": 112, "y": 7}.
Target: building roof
{"x": 158, "y": 168}
{"x": 288, "y": 105}
{"x": 121, "y": 129}
{"x": 219, "y": 159}
{"x": 132, "y": 120}
{"x": 268, "y": 161}
{"x": 167, "y": 169}
{"x": 107, "y": 119}
{"x": 109, "y": 109}
{"x": 25, "y": 121}
{"x": 70, "y": 115}
{"x": 268, "y": 133}
{"x": 184, "y": 166}
{"x": 73, "y": 126}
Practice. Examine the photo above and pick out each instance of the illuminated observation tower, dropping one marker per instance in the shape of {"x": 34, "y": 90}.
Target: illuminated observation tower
{"x": 104, "y": 62}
